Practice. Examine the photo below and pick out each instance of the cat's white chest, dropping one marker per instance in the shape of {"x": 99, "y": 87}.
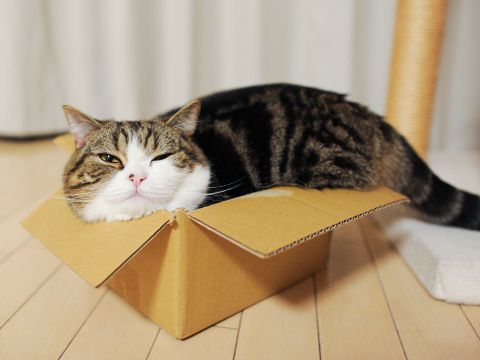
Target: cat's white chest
{"x": 193, "y": 190}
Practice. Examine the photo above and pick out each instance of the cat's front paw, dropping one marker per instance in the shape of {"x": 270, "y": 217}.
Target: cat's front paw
{"x": 118, "y": 217}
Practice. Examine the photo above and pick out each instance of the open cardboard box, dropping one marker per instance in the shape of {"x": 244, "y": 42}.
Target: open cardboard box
{"x": 191, "y": 269}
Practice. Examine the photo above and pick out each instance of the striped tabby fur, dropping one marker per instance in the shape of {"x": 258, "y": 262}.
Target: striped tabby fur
{"x": 262, "y": 136}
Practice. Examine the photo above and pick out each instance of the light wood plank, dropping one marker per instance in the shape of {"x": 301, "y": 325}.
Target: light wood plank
{"x": 354, "y": 318}
{"x": 233, "y": 322}
{"x": 12, "y": 233}
{"x": 30, "y": 186}
{"x": 22, "y": 274}
{"x": 429, "y": 329}
{"x": 212, "y": 344}
{"x": 281, "y": 327}
{"x": 13, "y": 152}
{"x": 47, "y": 323}
{"x": 115, "y": 330}
{"x": 30, "y": 163}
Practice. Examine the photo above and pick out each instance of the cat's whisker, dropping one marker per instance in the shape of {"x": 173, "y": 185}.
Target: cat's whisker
{"x": 224, "y": 191}
{"x": 233, "y": 182}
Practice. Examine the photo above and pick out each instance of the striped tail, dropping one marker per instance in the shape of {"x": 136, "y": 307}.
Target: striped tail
{"x": 439, "y": 201}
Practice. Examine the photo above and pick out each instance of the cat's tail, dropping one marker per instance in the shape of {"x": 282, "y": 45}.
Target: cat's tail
{"x": 439, "y": 201}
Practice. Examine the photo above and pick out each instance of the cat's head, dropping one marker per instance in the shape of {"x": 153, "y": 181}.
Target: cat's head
{"x": 127, "y": 169}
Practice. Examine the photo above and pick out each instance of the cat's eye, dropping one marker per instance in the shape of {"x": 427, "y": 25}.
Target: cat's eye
{"x": 161, "y": 157}
{"x": 110, "y": 158}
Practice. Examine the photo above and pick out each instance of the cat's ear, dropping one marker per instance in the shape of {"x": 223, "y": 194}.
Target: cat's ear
{"x": 80, "y": 125}
{"x": 186, "y": 118}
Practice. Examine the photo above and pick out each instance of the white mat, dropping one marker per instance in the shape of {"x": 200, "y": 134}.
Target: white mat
{"x": 446, "y": 260}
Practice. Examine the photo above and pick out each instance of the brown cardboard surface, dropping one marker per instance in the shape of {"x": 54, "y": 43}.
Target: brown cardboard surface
{"x": 274, "y": 220}
{"x": 93, "y": 251}
{"x": 151, "y": 280}
{"x": 196, "y": 278}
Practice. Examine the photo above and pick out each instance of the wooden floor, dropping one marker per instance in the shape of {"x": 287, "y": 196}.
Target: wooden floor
{"x": 366, "y": 305}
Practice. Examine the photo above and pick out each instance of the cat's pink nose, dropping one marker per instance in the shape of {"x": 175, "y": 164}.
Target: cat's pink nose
{"x": 137, "y": 179}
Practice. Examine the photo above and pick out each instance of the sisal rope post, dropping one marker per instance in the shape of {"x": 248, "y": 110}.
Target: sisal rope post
{"x": 413, "y": 71}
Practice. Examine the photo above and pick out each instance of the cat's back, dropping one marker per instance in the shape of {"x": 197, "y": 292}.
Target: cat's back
{"x": 273, "y": 113}
{"x": 270, "y": 97}
{"x": 278, "y": 133}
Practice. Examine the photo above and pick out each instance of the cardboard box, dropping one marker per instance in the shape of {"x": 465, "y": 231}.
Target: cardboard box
{"x": 191, "y": 269}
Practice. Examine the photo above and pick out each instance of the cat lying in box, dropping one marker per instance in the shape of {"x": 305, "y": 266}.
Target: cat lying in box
{"x": 236, "y": 142}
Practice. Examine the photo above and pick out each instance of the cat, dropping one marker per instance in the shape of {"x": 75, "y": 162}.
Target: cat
{"x": 236, "y": 142}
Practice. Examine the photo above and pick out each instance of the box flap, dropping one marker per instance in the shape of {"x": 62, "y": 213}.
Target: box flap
{"x": 93, "y": 251}
{"x": 270, "y": 221}
{"x": 65, "y": 142}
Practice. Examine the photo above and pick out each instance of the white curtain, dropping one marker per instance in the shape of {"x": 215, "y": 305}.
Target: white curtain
{"x": 132, "y": 59}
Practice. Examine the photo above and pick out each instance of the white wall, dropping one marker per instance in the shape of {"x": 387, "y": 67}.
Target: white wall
{"x": 456, "y": 122}
{"x": 132, "y": 59}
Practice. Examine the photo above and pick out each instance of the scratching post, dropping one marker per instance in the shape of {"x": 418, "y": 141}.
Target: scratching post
{"x": 416, "y": 53}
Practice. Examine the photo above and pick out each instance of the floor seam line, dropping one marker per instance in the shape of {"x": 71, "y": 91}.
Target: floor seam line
{"x": 153, "y": 343}
{"x": 81, "y": 326}
{"x": 238, "y": 335}
{"x": 48, "y": 278}
{"x": 371, "y": 254}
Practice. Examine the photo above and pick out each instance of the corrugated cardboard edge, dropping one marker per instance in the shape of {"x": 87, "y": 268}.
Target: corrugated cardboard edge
{"x": 300, "y": 241}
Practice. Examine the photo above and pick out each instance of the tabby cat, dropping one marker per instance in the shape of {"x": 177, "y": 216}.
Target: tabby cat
{"x": 235, "y": 142}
